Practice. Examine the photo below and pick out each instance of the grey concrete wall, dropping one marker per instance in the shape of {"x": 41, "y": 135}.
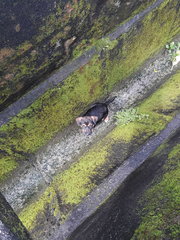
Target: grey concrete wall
{"x": 40, "y": 35}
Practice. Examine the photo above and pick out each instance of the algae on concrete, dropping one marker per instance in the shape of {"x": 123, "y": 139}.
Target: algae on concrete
{"x": 47, "y": 36}
{"x": 162, "y": 201}
{"x": 59, "y": 106}
{"x": 75, "y": 183}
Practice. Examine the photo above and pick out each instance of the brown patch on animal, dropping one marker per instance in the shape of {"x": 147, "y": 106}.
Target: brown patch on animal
{"x": 6, "y": 52}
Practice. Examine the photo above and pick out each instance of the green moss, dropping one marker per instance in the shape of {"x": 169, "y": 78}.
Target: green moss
{"x": 38, "y": 207}
{"x": 165, "y": 98}
{"x": 105, "y": 44}
{"x": 73, "y": 185}
{"x": 153, "y": 32}
{"x": 36, "y": 124}
{"x": 77, "y": 181}
{"x": 175, "y": 153}
{"x": 126, "y": 116}
{"x": 162, "y": 211}
{"x": 160, "y": 149}
{"x": 58, "y": 107}
{"x": 98, "y": 29}
{"x": 25, "y": 46}
{"x": 7, "y": 164}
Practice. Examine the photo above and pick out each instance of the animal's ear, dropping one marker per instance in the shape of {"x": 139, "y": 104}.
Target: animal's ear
{"x": 78, "y": 121}
{"x": 95, "y": 119}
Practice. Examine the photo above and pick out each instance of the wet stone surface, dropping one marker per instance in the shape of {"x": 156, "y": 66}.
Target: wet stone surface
{"x": 68, "y": 145}
{"x": 39, "y": 36}
{"x": 111, "y": 207}
{"x": 120, "y": 215}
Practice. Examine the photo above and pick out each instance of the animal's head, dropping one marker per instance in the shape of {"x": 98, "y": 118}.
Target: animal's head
{"x": 87, "y": 123}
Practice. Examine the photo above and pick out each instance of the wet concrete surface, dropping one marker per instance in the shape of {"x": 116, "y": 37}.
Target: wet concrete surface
{"x": 118, "y": 218}
{"x": 111, "y": 186}
{"x": 68, "y": 145}
{"x": 60, "y": 75}
{"x": 5, "y": 233}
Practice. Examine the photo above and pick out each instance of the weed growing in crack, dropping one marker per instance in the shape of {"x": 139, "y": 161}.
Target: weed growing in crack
{"x": 174, "y": 51}
{"x": 129, "y": 115}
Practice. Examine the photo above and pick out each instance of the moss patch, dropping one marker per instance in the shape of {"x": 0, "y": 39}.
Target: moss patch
{"x": 7, "y": 164}
{"x": 35, "y": 125}
{"x": 154, "y": 31}
{"x": 58, "y": 107}
{"x": 82, "y": 19}
{"x": 77, "y": 181}
{"x": 162, "y": 204}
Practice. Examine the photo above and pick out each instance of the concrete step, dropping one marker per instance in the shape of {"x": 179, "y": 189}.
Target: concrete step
{"x": 48, "y": 175}
{"x": 38, "y": 171}
{"x": 94, "y": 157}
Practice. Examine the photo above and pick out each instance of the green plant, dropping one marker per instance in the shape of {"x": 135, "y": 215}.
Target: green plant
{"x": 105, "y": 43}
{"x": 129, "y": 115}
{"x": 173, "y": 49}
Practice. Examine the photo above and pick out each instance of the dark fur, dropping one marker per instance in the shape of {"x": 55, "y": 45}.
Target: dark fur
{"x": 97, "y": 113}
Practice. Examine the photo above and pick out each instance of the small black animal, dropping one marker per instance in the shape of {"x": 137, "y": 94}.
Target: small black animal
{"x": 96, "y": 114}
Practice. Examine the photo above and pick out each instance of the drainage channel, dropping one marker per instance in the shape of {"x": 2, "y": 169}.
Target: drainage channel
{"x": 115, "y": 181}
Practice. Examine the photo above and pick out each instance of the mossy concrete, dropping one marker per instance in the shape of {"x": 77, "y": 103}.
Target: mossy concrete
{"x": 111, "y": 210}
{"x": 58, "y": 107}
{"x": 41, "y": 36}
{"x": 10, "y": 221}
{"x": 161, "y": 212}
{"x": 70, "y": 187}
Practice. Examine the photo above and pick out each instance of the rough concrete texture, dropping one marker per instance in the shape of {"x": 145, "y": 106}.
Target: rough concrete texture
{"x": 119, "y": 216}
{"x": 66, "y": 146}
{"x": 5, "y": 233}
{"x": 112, "y": 183}
{"x": 34, "y": 189}
{"x": 38, "y": 36}
{"x": 70, "y": 143}
{"x": 75, "y": 140}
{"x": 11, "y": 228}
{"x": 58, "y": 106}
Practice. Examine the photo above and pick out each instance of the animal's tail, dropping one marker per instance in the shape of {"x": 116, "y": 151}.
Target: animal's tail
{"x": 110, "y": 100}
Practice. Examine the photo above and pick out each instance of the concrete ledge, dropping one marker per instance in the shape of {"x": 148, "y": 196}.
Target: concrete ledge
{"x": 44, "y": 186}
{"x": 71, "y": 186}
{"x": 110, "y": 185}
{"x": 50, "y": 34}
{"x": 68, "y": 69}
{"x": 68, "y": 92}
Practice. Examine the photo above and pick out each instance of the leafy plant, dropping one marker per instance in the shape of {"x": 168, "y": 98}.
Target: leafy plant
{"x": 105, "y": 43}
{"x": 129, "y": 115}
{"x": 173, "y": 49}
